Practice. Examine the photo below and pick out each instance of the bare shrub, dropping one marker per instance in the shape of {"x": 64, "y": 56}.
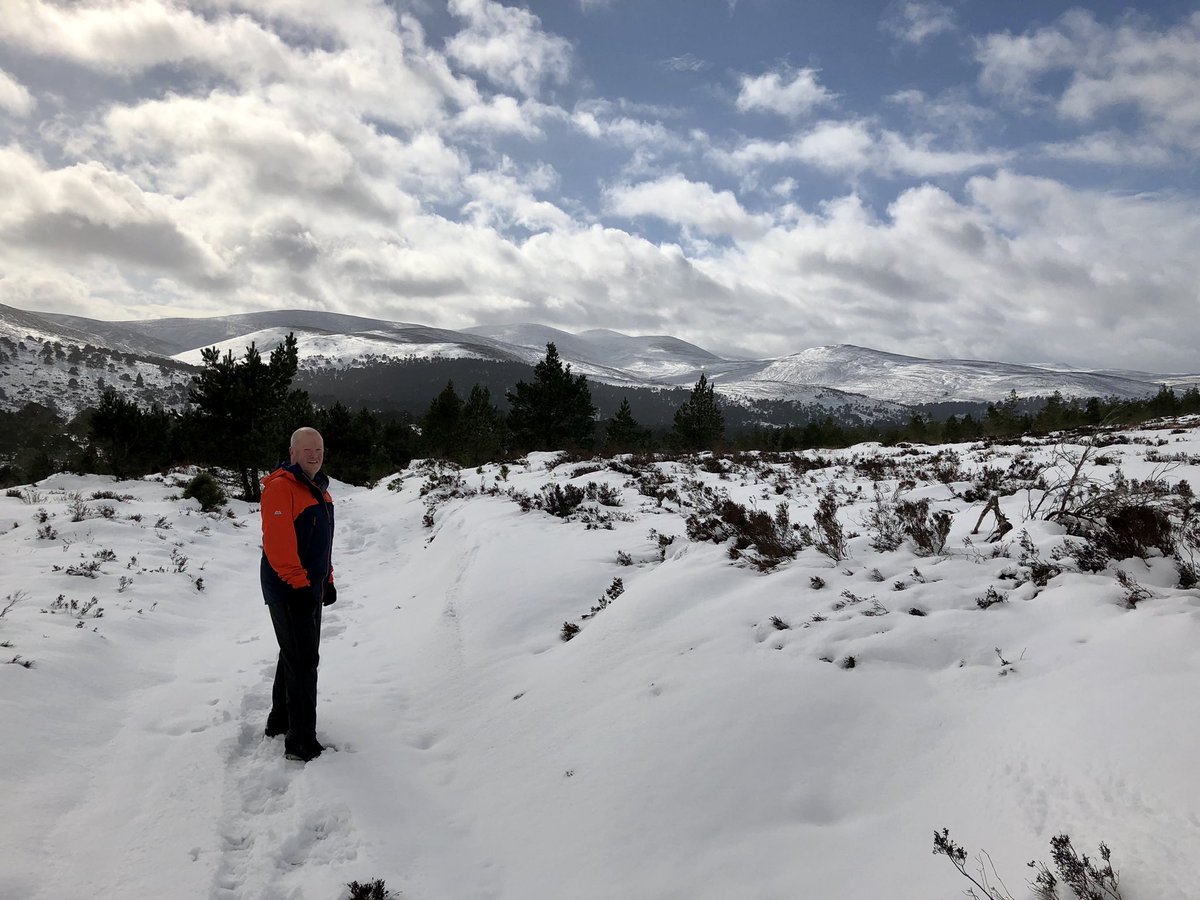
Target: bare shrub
{"x": 763, "y": 540}
{"x": 1086, "y": 879}
{"x": 1135, "y": 593}
{"x": 826, "y": 533}
{"x": 927, "y": 530}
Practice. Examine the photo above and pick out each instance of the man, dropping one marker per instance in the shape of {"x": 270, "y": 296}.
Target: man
{"x": 297, "y": 579}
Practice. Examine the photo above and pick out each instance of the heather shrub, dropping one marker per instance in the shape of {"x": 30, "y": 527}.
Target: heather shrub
{"x": 927, "y": 530}
{"x": 826, "y": 532}
{"x": 761, "y": 539}
{"x": 561, "y": 501}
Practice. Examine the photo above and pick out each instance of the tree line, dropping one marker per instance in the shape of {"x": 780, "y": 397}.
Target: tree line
{"x": 242, "y": 412}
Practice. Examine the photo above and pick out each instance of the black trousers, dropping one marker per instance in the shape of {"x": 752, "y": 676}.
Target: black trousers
{"x": 294, "y": 695}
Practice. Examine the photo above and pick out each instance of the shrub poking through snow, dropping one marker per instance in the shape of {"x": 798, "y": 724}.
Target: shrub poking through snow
{"x": 882, "y": 523}
{"x": 205, "y": 489}
{"x": 826, "y": 532}
{"x": 927, "y": 530}
{"x": 1135, "y": 593}
{"x": 604, "y": 494}
{"x": 1086, "y": 879}
{"x": 1088, "y": 556}
{"x": 569, "y": 630}
{"x": 370, "y": 890}
{"x": 1040, "y": 571}
{"x": 615, "y": 590}
{"x": 762, "y": 540}
{"x": 561, "y": 501}
{"x": 991, "y": 598}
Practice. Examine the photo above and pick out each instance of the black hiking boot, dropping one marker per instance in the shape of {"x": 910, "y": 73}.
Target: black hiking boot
{"x": 275, "y": 728}
{"x": 305, "y": 752}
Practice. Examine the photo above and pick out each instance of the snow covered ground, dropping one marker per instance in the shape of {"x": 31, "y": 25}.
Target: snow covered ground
{"x": 682, "y": 745}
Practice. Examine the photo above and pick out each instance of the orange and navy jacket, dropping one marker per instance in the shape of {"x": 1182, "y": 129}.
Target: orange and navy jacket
{"x": 297, "y": 526}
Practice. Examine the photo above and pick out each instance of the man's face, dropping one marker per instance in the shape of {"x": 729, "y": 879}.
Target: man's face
{"x": 308, "y": 452}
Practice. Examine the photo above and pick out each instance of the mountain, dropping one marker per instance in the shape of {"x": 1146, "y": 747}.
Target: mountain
{"x": 908, "y": 379}
{"x": 867, "y": 384}
{"x": 67, "y": 365}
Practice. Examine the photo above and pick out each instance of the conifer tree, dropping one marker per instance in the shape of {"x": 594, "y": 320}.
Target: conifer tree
{"x": 483, "y": 429}
{"x": 623, "y": 434}
{"x": 699, "y": 423}
{"x": 131, "y": 442}
{"x": 441, "y": 426}
{"x": 246, "y": 410}
{"x": 555, "y": 411}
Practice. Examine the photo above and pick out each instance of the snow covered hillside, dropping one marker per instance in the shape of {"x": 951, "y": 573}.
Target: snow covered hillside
{"x": 832, "y": 378}
{"x": 765, "y": 727}
{"x": 907, "y": 379}
{"x": 65, "y": 373}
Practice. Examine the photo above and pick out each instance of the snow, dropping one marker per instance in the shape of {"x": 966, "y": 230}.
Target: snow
{"x": 679, "y": 746}
{"x": 321, "y": 349}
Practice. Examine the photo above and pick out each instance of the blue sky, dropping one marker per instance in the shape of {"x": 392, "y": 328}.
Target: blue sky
{"x": 1010, "y": 181}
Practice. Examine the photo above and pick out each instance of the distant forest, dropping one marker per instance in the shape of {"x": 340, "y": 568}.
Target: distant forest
{"x": 377, "y": 418}
{"x": 409, "y": 386}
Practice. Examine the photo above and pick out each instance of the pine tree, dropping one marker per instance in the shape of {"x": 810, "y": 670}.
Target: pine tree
{"x": 623, "y": 434}
{"x": 441, "y": 426}
{"x": 699, "y": 423}
{"x": 555, "y": 411}
{"x": 483, "y": 429}
{"x": 246, "y": 409}
{"x": 132, "y": 442}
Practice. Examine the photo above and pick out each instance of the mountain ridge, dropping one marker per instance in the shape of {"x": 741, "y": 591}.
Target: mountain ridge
{"x": 838, "y": 376}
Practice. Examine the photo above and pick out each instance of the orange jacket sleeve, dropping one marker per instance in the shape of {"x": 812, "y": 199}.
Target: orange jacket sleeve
{"x": 279, "y": 533}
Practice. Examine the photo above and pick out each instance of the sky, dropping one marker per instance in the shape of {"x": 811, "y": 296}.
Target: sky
{"x": 1004, "y": 181}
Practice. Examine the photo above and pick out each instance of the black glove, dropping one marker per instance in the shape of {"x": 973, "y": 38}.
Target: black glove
{"x": 330, "y": 595}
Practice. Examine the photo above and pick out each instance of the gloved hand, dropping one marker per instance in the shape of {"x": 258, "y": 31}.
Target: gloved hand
{"x": 330, "y": 596}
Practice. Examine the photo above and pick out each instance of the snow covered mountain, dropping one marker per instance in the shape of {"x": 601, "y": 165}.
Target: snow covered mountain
{"x": 908, "y": 379}
{"x": 162, "y": 353}
{"x": 66, "y": 366}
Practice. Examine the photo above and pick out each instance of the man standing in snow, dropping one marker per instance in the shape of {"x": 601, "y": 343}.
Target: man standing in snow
{"x": 297, "y": 579}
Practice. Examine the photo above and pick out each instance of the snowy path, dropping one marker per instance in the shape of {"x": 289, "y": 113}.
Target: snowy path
{"x": 679, "y": 747}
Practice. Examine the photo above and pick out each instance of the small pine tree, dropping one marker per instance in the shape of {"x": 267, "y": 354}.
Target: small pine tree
{"x": 206, "y": 489}
{"x": 699, "y": 423}
{"x": 623, "y": 434}
{"x": 554, "y": 411}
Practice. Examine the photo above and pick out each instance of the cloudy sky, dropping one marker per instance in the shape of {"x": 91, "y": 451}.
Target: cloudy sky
{"x": 966, "y": 178}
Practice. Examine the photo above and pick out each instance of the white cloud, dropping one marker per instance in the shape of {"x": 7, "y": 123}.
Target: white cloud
{"x": 1128, "y": 66}
{"x": 1110, "y": 148}
{"x": 688, "y": 62}
{"x": 15, "y": 97}
{"x": 916, "y": 21}
{"x": 506, "y": 197}
{"x": 507, "y": 45}
{"x": 853, "y": 147}
{"x": 675, "y": 199}
{"x": 502, "y": 115}
{"x": 388, "y": 72}
{"x": 89, "y": 212}
{"x": 833, "y": 146}
{"x": 787, "y": 93}
{"x": 130, "y": 37}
